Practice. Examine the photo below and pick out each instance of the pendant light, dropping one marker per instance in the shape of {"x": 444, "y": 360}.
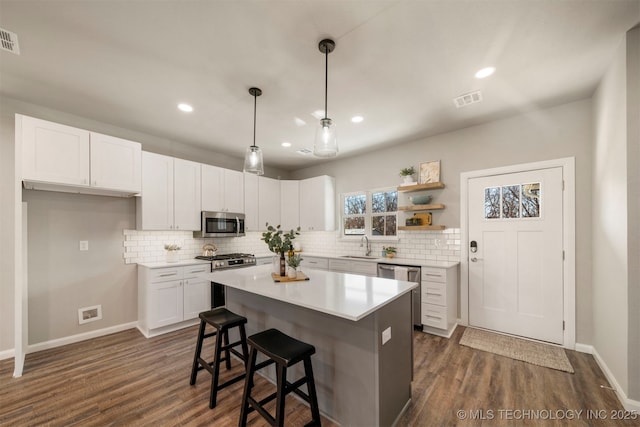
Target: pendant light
{"x": 326, "y": 143}
{"x": 253, "y": 157}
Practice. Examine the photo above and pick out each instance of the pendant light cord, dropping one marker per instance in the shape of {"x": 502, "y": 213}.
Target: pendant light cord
{"x": 255, "y": 106}
{"x": 326, "y": 79}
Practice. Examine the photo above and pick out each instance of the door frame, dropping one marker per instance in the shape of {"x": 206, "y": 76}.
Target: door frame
{"x": 569, "y": 237}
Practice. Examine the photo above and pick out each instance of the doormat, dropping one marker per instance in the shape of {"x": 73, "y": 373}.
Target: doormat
{"x": 532, "y": 352}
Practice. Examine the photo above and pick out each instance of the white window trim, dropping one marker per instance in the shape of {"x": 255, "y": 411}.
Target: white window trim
{"x": 368, "y": 215}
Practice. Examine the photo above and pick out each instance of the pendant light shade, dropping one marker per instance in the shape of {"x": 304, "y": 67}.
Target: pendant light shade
{"x": 253, "y": 157}
{"x": 326, "y": 142}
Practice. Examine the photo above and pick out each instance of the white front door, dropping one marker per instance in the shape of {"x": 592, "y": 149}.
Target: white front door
{"x": 515, "y": 253}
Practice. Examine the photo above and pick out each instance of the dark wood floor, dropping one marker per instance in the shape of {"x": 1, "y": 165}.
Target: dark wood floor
{"x": 125, "y": 379}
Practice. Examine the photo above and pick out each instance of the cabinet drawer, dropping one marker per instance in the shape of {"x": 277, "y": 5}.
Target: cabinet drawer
{"x": 434, "y": 316}
{"x": 339, "y": 265}
{"x": 312, "y": 262}
{"x": 434, "y": 293}
{"x": 165, "y": 274}
{"x": 364, "y": 268}
{"x": 196, "y": 270}
{"x": 432, "y": 274}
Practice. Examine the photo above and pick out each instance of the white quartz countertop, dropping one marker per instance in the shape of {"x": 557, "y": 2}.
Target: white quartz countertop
{"x": 180, "y": 263}
{"x": 379, "y": 260}
{"x": 349, "y": 296}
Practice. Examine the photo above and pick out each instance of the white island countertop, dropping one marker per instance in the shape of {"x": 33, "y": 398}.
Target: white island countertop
{"x": 350, "y": 296}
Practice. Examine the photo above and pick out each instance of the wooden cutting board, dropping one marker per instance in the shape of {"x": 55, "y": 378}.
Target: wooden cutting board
{"x": 278, "y": 278}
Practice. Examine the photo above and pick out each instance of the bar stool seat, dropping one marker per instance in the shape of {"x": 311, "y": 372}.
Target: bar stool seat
{"x": 222, "y": 320}
{"x": 285, "y": 352}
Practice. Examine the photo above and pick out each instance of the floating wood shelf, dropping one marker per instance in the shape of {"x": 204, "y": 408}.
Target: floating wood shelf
{"x": 418, "y": 187}
{"x": 421, "y": 207}
{"x": 420, "y": 227}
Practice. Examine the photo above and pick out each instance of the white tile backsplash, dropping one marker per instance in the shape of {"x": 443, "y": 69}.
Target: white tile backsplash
{"x": 148, "y": 246}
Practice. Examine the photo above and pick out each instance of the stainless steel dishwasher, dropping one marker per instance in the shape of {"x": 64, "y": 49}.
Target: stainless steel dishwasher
{"x": 388, "y": 271}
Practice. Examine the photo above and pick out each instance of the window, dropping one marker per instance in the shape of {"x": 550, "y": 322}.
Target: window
{"x": 371, "y": 213}
{"x": 512, "y": 201}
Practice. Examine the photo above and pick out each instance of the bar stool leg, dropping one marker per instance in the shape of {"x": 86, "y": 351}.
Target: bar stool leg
{"x": 194, "y": 369}
{"x": 281, "y": 373}
{"x": 248, "y": 385}
{"x": 311, "y": 388}
{"x": 216, "y": 372}
{"x": 227, "y": 353}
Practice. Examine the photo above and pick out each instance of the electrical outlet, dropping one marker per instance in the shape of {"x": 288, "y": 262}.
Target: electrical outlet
{"x": 386, "y": 335}
{"x": 84, "y": 245}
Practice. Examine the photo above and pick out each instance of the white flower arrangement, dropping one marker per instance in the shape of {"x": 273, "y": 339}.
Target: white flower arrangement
{"x": 171, "y": 247}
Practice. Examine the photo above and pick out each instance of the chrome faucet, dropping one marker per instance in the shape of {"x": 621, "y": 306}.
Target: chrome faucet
{"x": 368, "y": 247}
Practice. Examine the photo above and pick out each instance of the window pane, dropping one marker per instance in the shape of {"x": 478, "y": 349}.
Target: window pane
{"x": 355, "y": 204}
{"x": 354, "y": 225}
{"x": 390, "y": 229}
{"x": 386, "y": 201}
{"x": 492, "y": 203}
{"x": 531, "y": 200}
{"x": 511, "y": 201}
{"x": 383, "y": 225}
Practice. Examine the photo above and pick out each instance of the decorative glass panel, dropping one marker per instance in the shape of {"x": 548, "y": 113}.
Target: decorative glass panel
{"x": 354, "y": 225}
{"x": 531, "y": 200}
{"x": 386, "y": 201}
{"x": 511, "y": 201}
{"x": 492, "y": 203}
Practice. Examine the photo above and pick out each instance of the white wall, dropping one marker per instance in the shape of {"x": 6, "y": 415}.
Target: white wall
{"x": 562, "y": 131}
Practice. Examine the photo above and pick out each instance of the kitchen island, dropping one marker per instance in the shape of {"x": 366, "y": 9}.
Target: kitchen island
{"x": 361, "y": 328}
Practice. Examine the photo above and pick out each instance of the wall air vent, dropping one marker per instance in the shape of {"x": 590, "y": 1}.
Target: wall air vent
{"x": 304, "y": 151}
{"x": 468, "y": 99}
{"x": 9, "y": 41}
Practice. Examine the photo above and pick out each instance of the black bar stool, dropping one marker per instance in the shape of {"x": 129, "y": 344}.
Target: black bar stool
{"x": 222, "y": 320}
{"x": 284, "y": 351}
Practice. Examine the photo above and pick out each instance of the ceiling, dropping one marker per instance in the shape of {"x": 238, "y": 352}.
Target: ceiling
{"x": 399, "y": 64}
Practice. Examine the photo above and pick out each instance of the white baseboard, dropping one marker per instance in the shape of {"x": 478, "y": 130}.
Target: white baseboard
{"x": 7, "y": 354}
{"x": 584, "y": 348}
{"x": 629, "y": 404}
{"x": 79, "y": 337}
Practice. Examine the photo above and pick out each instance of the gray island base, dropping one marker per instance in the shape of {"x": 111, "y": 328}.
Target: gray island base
{"x": 359, "y": 380}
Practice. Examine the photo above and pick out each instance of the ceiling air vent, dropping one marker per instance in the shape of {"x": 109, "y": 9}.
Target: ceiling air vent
{"x": 468, "y": 99}
{"x": 9, "y": 41}
{"x": 304, "y": 151}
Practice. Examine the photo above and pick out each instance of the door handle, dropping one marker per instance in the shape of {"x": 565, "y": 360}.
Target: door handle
{"x": 474, "y": 259}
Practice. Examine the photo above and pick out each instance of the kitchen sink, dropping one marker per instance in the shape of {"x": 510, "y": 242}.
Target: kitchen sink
{"x": 359, "y": 256}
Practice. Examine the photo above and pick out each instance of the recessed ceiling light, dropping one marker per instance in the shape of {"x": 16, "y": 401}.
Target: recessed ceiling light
{"x": 286, "y": 144}
{"x": 185, "y": 107}
{"x": 485, "y": 72}
{"x": 357, "y": 119}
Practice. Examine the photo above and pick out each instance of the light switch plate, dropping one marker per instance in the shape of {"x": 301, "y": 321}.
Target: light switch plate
{"x": 84, "y": 245}
{"x": 386, "y": 335}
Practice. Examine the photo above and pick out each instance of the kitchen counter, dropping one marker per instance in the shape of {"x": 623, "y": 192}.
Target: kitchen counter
{"x": 180, "y": 263}
{"x": 380, "y": 260}
{"x": 349, "y": 296}
{"x": 360, "y": 326}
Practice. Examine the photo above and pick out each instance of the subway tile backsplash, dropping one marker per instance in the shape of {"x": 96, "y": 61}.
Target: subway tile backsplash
{"x": 148, "y": 246}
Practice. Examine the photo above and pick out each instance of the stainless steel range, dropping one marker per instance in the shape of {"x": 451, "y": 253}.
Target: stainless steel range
{"x": 225, "y": 262}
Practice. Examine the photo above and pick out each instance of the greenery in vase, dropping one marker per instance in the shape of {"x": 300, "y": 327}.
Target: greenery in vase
{"x": 389, "y": 249}
{"x": 277, "y": 240}
{"x": 294, "y": 260}
{"x": 171, "y": 247}
{"x": 407, "y": 171}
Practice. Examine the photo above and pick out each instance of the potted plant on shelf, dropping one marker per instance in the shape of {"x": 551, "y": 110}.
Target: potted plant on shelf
{"x": 279, "y": 242}
{"x": 390, "y": 251}
{"x": 294, "y": 263}
{"x": 172, "y": 252}
{"x": 407, "y": 175}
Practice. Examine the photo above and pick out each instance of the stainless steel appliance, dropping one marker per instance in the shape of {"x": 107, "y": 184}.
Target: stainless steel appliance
{"x": 225, "y": 262}
{"x": 220, "y": 224}
{"x": 388, "y": 271}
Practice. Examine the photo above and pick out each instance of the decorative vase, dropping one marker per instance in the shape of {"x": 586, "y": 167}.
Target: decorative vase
{"x": 292, "y": 273}
{"x": 390, "y": 254}
{"x": 171, "y": 256}
{"x": 407, "y": 180}
{"x": 276, "y": 264}
{"x": 283, "y": 265}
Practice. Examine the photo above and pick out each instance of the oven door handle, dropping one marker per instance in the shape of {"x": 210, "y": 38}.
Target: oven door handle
{"x": 385, "y": 267}
{"x": 237, "y": 227}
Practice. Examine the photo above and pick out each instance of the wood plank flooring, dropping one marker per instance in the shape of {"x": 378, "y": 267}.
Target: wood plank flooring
{"x": 125, "y": 379}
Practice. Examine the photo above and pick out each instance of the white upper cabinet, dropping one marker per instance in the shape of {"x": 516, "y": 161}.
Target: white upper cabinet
{"x": 115, "y": 163}
{"x": 222, "y": 190}
{"x": 289, "y": 205}
{"x": 63, "y": 158}
{"x": 317, "y": 203}
{"x": 251, "y": 220}
{"x": 268, "y": 201}
{"x": 170, "y": 194}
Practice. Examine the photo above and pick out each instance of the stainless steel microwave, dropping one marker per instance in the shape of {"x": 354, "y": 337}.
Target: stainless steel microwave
{"x": 220, "y": 224}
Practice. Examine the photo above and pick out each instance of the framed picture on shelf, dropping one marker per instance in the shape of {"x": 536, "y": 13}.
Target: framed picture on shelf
{"x": 429, "y": 172}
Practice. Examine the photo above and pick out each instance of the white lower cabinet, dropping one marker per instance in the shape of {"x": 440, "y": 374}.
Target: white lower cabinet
{"x": 356, "y": 267}
{"x": 170, "y": 298}
{"x": 439, "y": 300}
{"x": 317, "y": 263}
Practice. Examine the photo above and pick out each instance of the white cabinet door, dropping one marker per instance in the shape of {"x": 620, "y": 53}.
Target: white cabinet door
{"x": 212, "y": 188}
{"x": 317, "y": 203}
{"x": 165, "y": 303}
{"x": 155, "y": 207}
{"x": 289, "y": 205}
{"x": 268, "y": 201}
{"x": 186, "y": 197}
{"x": 53, "y": 152}
{"x": 115, "y": 163}
{"x": 234, "y": 191}
{"x": 251, "y": 220}
{"x": 197, "y": 297}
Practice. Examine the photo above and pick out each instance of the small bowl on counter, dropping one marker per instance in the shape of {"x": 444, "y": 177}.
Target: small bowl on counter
{"x": 420, "y": 200}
